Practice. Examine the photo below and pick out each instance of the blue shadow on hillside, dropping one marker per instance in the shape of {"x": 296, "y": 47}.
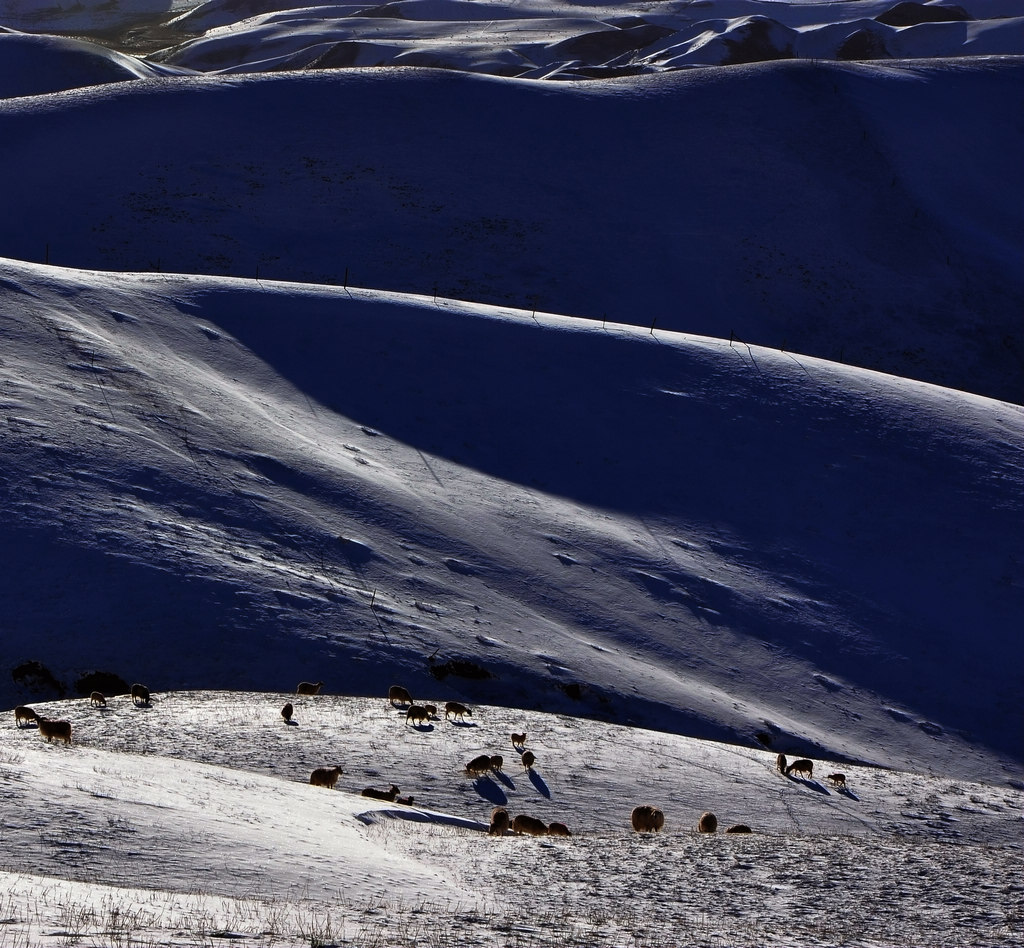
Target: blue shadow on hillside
{"x": 506, "y": 779}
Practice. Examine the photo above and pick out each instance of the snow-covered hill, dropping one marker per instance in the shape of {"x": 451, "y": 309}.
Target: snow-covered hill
{"x": 194, "y": 817}
{"x": 216, "y": 483}
{"x": 790, "y": 204}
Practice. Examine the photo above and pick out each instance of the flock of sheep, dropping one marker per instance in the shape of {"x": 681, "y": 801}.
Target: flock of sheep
{"x": 644, "y": 818}
{"x": 54, "y": 730}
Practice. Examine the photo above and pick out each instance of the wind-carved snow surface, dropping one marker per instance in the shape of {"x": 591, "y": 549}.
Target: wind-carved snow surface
{"x": 194, "y": 815}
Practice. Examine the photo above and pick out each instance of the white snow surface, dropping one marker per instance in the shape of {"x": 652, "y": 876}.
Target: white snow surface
{"x": 192, "y": 819}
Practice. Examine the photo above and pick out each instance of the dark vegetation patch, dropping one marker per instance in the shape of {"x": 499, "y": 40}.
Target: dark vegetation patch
{"x": 37, "y": 678}
{"x": 106, "y": 682}
{"x": 461, "y": 668}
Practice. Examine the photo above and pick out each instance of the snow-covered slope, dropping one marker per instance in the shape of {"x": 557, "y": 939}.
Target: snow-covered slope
{"x": 227, "y": 484}
{"x": 790, "y": 204}
{"x": 194, "y": 816}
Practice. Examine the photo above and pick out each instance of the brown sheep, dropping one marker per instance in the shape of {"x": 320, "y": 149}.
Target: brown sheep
{"x": 55, "y": 730}
{"x": 453, "y": 709}
{"x": 417, "y": 715}
{"x": 405, "y": 801}
{"x": 739, "y": 828}
{"x": 647, "y": 819}
{"x": 518, "y": 740}
{"x": 389, "y": 795}
{"x": 140, "y": 695}
{"x": 399, "y": 695}
{"x": 497, "y": 761}
{"x": 558, "y": 829}
{"x": 97, "y": 700}
{"x": 802, "y": 766}
{"x": 780, "y": 763}
{"x": 286, "y": 711}
{"x": 325, "y": 777}
{"x": 479, "y": 766}
{"x": 24, "y": 713}
{"x": 499, "y": 822}
{"x": 309, "y": 687}
{"x": 528, "y": 759}
{"x": 431, "y": 709}
{"x": 708, "y": 823}
{"x": 529, "y": 825}
{"x": 837, "y": 780}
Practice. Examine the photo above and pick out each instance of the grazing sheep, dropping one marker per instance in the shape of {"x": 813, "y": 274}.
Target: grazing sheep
{"x": 496, "y": 761}
{"x": 529, "y": 825}
{"x": 647, "y": 819}
{"x": 453, "y": 709}
{"x": 528, "y": 759}
{"x": 802, "y": 766}
{"x": 518, "y": 740}
{"x": 325, "y": 777}
{"x": 479, "y": 766}
{"x": 59, "y": 730}
{"x": 24, "y": 713}
{"x": 837, "y": 780}
{"x": 780, "y": 763}
{"x": 431, "y": 709}
{"x": 399, "y": 695}
{"x": 708, "y": 823}
{"x": 739, "y": 828}
{"x": 309, "y": 687}
{"x": 417, "y": 715}
{"x": 405, "y": 801}
{"x": 389, "y": 795}
{"x": 286, "y": 711}
{"x": 97, "y": 700}
{"x": 558, "y": 829}
{"x": 499, "y": 821}
{"x": 140, "y": 695}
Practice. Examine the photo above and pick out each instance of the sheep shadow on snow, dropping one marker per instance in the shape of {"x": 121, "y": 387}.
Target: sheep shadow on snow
{"x": 538, "y": 782}
{"x": 810, "y": 783}
{"x": 490, "y": 791}
{"x": 505, "y": 779}
{"x": 462, "y": 723}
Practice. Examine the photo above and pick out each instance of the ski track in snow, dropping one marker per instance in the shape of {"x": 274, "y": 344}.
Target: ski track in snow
{"x": 195, "y": 812}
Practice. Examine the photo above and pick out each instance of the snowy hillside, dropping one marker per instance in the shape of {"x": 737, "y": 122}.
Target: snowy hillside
{"x": 216, "y": 483}
{"x": 790, "y": 204}
{"x": 648, "y": 376}
{"x": 203, "y": 799}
